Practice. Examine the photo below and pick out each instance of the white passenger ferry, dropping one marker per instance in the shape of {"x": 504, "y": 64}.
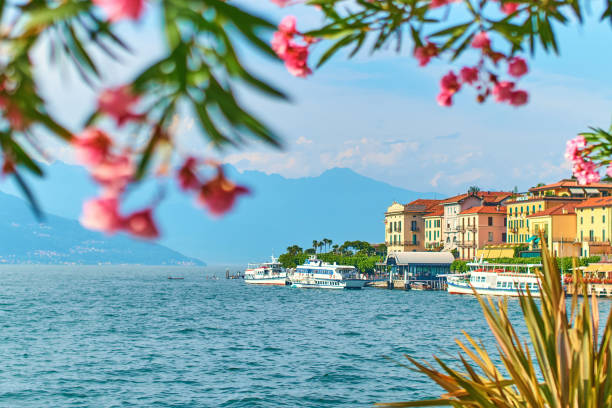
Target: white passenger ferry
{"x": 495, "y": 279}
{"x": 315, "y": 273}
{"x": 267, "y": 273}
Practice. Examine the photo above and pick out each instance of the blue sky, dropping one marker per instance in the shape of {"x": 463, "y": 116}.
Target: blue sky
{"x": 377, "y": 114}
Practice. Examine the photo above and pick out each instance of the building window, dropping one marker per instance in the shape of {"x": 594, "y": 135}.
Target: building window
{"x": 581, "y": 236}
{"x": 503, "y": 237}
{"x": 592, "y": 219}
{"x": 414, "y": 240}
{"x": 581, "y": 220}
{"x": 413, "y": 226}
{"x": 603, "y": 218}
{"x": 505, "y": 222}
{"x": 603, "y": 235}
{"x": 490, "y": 222}
{"x": 490, "y": 237}
{"x": 591, "y": 235}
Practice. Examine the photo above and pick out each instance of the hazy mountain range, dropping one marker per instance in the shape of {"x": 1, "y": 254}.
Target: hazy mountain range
{"x": 339, "y": 204}
{"x": 58, "y": 240}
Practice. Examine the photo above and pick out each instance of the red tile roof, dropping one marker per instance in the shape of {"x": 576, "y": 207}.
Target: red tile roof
{"x": 436, "y": 211}
{"x": 596, "y": 202}
{"x": 560, "y": 209}
{"x": 485, "y": 209}
{"x": 427, "y": 203}
{"x": 570, "y": 183}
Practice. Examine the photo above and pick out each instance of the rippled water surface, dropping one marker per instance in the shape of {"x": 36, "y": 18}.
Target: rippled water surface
{"x": 105, "y": 336}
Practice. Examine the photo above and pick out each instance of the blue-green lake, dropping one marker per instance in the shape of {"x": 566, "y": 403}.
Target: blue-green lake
{"x": 128, "y": 336}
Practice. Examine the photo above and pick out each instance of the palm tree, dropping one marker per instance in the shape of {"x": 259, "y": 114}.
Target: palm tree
{"x": 315, "y": 245}
{"x": 335, "y": 248}
{"x": 327, "y": 242}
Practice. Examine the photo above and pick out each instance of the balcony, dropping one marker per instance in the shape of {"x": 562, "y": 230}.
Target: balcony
{"x": 513, "y": 230}
{"x": 467, "y": 244}
{"x": 412, "y": 243}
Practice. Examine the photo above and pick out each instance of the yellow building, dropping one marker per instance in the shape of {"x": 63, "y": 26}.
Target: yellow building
{"x": 571, "y": 188}
{"x": 558, "y": 226}
{"x": 433, "y": 228}
{"x": 545, "y": 197}
{"x": 405, "y": 227}
{"x": 593, "y": 226}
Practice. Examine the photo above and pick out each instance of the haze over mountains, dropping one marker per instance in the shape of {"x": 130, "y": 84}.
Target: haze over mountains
{"x": 58, "y": 240}
{"x": 339, "y": 204}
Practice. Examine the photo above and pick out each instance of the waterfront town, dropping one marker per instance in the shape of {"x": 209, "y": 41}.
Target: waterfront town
{"x": 575, "y": 221}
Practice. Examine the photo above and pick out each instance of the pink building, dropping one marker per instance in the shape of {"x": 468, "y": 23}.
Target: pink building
{"x": 480, "y": 226}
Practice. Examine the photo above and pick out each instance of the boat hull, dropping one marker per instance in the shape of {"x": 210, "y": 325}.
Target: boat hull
{"x": 329, "y": 284}
{"x": 277, "y": 281}
{"x": 463, "y": 289}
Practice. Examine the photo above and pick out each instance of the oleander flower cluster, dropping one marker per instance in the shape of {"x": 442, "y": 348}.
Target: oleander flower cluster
{"x": 577, "y": 152}
{"x": 487, "y": 83}
{"x": 292, "y": 52}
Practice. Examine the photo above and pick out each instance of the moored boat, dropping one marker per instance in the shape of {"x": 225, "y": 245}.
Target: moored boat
{"x": 316, "y": 274}
{"x": 495, "y": 279}
{"x": 266, "y": 273}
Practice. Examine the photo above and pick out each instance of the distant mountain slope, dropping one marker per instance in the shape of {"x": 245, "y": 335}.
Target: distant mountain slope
{"x": 59, "y": 240}
{"x": 339, "y": 204}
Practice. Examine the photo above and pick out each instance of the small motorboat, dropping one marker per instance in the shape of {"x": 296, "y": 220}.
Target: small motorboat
{"x": 175, "y": 278}
{"x": 420, "y": 286}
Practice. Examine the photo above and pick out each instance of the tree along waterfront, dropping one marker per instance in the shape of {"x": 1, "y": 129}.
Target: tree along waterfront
{"x": 360, "y": 254}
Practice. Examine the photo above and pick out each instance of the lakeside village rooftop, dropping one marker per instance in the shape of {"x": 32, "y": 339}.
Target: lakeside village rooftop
{"x": 575, "y": 220}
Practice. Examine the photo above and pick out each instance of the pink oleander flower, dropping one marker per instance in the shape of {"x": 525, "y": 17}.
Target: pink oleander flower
{"x": 518, "y": 98}
{"x": 117, "y": 103}
{"x": 296, "y": 60}
{"x": 509, "y": 7}
{"x": 114, "y": 173}
{"x": 469, "y": 75}
{"x": 444, "y": 98}
{"x": 141, "y": 224}
{"x": 120, "y": 9}
{"x": 425, "y": 53}
{"x": 440, "y": 3}
{"x": 450, "y": 83}
{"x": 573, "y": 148}
{"x": 609, "y": 170}
{"x": 293, "y": 54}
{"x": 517, "y": 67}
{"x": 219, "y": 194}
{"x": 187, "y": 177}
{"x": 481, "y": 40}
{"x": 102, "y": 214}
{"x": 288, "y": 25}
{"x": 586, "y": 172}
{"x": 92, "y": 146}
{"x": 281, "y": 3}
{"x": 502, "y": 91}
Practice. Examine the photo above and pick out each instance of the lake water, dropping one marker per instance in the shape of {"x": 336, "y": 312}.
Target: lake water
{"x": 128, "y": 336}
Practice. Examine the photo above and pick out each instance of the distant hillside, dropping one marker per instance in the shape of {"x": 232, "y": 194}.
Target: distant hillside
{"x": 58, "y": 240}
{"x": 339, "y": 204}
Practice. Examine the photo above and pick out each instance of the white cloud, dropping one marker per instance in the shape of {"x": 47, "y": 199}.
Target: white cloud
{"x": 434, "y": 181}
{"x": 303, "y": 141}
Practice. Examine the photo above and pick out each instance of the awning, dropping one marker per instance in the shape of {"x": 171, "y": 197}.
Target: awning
{"x": 591, "y": 190}
{"x": 576, "y": 191}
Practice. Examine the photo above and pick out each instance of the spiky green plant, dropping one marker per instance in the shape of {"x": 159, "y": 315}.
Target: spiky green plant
{"x": 570, "y": 365}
